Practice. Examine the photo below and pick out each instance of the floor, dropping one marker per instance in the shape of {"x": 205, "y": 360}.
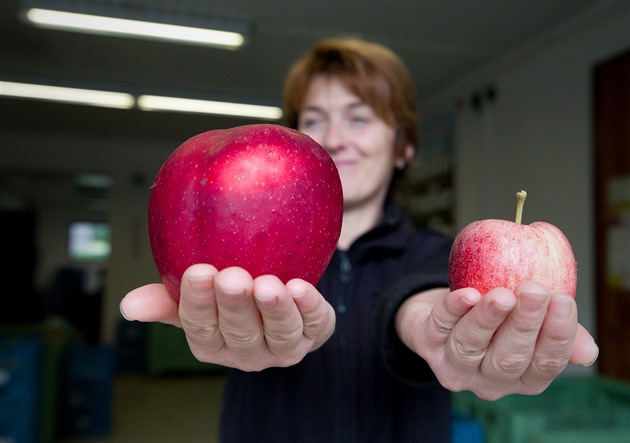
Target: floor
{"x": 164, "y": 410}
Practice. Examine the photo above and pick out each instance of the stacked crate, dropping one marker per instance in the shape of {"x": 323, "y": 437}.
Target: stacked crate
{"x": 467, "y": 429}
{"x": 20, "y": 374}
{"x": 86, "y": 393}
{"x": 595, "y": 408}
{"x": 131, "y": 347}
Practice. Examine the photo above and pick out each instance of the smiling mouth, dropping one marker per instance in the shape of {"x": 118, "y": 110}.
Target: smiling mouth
{"x": 344, "y": 163}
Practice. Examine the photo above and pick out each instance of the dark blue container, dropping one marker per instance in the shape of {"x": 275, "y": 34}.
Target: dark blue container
{"x": 87, "y": 391}
{"x": 20, "y": 375}
{"x": 131, "y": 347}
{"x": 467, "y": 429}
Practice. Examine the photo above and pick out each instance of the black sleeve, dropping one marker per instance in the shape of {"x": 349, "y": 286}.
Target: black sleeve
{"x": 399, "y": 360}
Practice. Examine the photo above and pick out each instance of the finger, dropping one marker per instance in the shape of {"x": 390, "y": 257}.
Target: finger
{"x": 585, "y": 350}
{"x": 555, "y": 343}
{"x": 445, "y": 315}
{"x": 198, "y": 311}
{"x": 282, "y": 323}
{"x": 318, "y": 317}
{"x": 514, "y": 344}
{"x": 471, "y": 337}
{"x": 150, "y": 303}
{"x": 239, "y": 319}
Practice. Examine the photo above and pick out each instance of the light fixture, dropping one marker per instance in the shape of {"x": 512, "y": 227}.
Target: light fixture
{"x": 118, "y": 22}
{"x": 162, "y": 103}
{"x": 123, "y": 100}
{"x": 64, "y": 94}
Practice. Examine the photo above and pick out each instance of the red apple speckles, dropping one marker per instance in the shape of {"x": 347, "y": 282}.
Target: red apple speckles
{"x": 489, "y": 254}
{"x": 263, "y": 197}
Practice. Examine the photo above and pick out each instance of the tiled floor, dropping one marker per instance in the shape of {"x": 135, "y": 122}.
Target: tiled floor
{"x": 164, "y": 410}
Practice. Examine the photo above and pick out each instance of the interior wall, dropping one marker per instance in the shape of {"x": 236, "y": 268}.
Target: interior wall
{"x": 537, "y": 135}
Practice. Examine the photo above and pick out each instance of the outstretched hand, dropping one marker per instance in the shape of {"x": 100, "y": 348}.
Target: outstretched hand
{"x": 502, "y": 343}
{"x": 234, "y": 320}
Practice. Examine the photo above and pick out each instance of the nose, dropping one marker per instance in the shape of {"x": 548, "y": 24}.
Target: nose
{"x": 333, "y": 137}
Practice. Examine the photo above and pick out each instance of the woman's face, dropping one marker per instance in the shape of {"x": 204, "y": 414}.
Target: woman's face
{"x": 358, "y": 140}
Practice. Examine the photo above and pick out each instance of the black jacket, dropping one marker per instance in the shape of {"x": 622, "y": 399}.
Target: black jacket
{"x": 363, "y": 385}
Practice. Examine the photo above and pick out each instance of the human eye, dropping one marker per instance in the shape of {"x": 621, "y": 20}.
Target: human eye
{"x": 310, "y": 121}
{"x": 360, "y": 115}
{"x": 359, "y": 118}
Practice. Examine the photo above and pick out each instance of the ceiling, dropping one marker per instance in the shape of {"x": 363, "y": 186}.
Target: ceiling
{"x": 441, "y": 41}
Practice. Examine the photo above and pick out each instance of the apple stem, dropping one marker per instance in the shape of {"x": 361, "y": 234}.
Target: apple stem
{"x": 520, "y": 201}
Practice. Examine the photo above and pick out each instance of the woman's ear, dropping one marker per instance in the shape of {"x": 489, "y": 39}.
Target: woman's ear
{"x": 407, "y": 156}
{"x": 410, "y": 152}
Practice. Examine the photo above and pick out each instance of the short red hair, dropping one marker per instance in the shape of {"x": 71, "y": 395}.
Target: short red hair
{"x": 370, "y": 71}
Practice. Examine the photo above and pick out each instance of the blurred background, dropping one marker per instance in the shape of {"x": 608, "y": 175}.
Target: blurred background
{"x": 513, "y": 95}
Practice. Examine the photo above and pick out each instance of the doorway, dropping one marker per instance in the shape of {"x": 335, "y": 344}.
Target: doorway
{"x": 56, "y": 240}
{"x": 611, "y": 90}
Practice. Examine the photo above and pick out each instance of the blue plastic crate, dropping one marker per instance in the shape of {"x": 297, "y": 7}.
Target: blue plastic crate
{"x": 87, "y": 393}
{"x": 20, "y": 369}
{"x": 467, "y": 429}
{"x": 131, "y": 347}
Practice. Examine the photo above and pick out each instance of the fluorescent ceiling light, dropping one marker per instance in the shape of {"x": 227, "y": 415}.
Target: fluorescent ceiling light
{"x": 91, "y": 97}
{"x": 159, "y": 103}
{"x": 71, "y": 21}
{"x": 122, "y": 100}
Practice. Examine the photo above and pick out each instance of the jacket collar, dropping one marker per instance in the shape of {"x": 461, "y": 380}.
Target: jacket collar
{"x": 390, "y": 235}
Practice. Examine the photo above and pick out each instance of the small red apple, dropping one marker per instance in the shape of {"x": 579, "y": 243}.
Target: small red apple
{"x": 263, "y": 197}
{"x": 489, "y": 254}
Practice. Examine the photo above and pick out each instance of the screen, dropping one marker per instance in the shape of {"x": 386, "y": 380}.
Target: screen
{"x": 89, "y": 241}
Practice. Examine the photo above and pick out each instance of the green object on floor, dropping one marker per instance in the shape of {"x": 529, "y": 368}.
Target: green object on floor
{"x": 583, "y": 436}
{"x": 169, "y": 352}
{"x": 576, "y": 404}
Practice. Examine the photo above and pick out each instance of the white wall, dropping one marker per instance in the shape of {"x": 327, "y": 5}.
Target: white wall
{"x": 537, "y": 136}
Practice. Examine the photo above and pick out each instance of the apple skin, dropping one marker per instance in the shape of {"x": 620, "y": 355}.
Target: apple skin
{"x": 263, "y": 197}
{"x": 492, "y": 253}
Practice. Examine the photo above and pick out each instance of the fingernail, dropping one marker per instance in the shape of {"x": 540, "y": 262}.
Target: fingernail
{"x": 267, "y": 301}
{"x": 592, "y": 362}
{"x": 122, "y": 312}
{"x": 297, "y": 289}
{"x": 199, "y": 280}
{"x": 198, "y": 283}
{"x": 497, "y": 310}
{"x": 561, "y": 308}
{"x": 471, "y": 298}
{"x": 532, "y": 303}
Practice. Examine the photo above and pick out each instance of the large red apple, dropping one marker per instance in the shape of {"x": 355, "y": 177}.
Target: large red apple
{"x": 489, "y": 254}
{"x": 263, "y": 197}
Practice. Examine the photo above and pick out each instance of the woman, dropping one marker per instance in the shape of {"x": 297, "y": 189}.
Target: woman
{"x": 370, "y": 354}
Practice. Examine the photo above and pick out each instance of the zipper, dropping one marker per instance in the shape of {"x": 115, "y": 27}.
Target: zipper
{"x": 345, "y": 277}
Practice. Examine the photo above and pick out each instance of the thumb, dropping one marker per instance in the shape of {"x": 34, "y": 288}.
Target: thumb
{"x": 150, "y": 303}
{"x": 585, "y": 351}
